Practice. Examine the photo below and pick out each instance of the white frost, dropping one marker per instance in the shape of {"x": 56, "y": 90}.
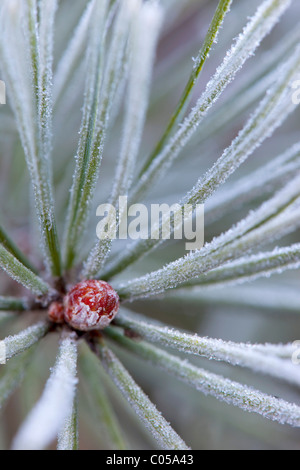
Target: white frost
{"x": 46, "y": 419}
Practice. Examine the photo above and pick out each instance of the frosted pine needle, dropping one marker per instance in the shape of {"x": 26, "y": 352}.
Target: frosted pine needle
{"x": 46, "y": 419}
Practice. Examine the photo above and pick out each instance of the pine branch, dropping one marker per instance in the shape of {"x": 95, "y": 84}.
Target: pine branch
{"x": 13, "y": 304}
{"x": 258, "y": 183}
{"x": 265, "y": 299}
{"x": 269, "y": 115}
{"x": 18, "y": 343}
{"x": 10, "y": 246}
{"x": 6, "y": 317}
{"x": 248, "y": 399}
{"x": 68, "y": 436}
{"x": 39, "y": 41}
{"x": 210, "y": 39}
{"x": 147, "y": 412}
{"x": 14, "y": 373}
{"x": 257, "y": 28}
{"x": 143, "y": 46}
{"x": 31, "y": 29}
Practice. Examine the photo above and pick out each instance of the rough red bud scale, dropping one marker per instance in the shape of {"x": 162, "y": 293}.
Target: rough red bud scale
{"x": 91, "y": 305}
{"x": 56, "y": 312}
